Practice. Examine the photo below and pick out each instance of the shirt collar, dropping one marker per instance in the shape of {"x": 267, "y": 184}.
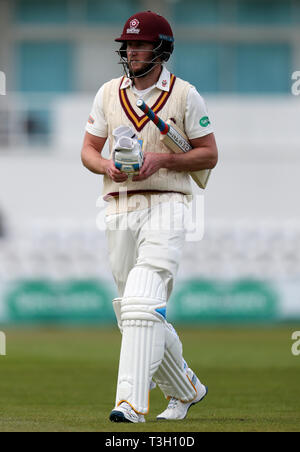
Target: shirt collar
{"x": 163, "y": 82}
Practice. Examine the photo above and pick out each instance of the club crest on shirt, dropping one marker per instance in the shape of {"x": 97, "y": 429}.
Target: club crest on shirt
{"x": 91, "y": 120}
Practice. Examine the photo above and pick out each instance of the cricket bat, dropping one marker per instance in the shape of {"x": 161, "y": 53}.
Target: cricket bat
{"x": 175, "y": 140}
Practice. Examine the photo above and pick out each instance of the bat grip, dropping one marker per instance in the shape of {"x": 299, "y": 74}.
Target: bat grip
{"x": 163, "y": 127}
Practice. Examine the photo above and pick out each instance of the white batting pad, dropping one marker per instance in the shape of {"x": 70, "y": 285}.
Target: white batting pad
{"x": 145, "y": 283}
{"x": 174, "y": 377}
{"x": 143, "y": 339}
{"x": 117, "y": 308}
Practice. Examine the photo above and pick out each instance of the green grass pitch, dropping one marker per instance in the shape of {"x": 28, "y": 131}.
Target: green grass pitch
{"x": 64, "y": 380}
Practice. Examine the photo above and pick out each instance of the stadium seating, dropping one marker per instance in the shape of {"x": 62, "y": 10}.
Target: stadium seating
{"x": 228, "y": 251}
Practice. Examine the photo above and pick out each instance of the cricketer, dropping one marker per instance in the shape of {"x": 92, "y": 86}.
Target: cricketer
{"x": 146, "y": 234}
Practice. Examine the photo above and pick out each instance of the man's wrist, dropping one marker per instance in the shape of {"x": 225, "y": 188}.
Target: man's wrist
{"x": 105, "y": 164}
{"x": 167, "y": 160}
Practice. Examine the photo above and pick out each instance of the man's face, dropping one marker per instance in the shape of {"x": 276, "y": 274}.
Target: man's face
{"x": 139, "y": 52}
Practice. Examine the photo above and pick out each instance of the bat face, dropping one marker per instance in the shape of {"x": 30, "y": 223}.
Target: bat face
{"x": 178, "y": 139}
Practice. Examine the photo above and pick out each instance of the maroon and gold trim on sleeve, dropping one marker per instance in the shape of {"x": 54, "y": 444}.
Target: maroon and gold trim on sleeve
{"x": 139, "y": 122}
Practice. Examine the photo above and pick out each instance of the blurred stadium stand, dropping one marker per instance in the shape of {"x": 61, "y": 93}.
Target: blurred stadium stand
{"x": 240, "y": 54}
{"x": 264, "y": 250}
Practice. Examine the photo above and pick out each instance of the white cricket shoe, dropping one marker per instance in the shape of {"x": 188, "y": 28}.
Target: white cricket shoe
{"x": 178, "y": 410}
{"x": 124, "y": 413}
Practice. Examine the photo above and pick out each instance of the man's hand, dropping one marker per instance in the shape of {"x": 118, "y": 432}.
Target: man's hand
{"x": 152, "y": 163}
{"x": 114, "y": 173}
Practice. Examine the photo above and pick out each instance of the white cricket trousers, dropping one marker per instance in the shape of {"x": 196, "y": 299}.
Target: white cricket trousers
{"x": 145, "y": 249}
{"x": 151, "y": 238}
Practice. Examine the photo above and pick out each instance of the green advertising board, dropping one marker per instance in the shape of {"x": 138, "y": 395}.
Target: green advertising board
{"x": 226, "y": 301}
{"x": 90, "y": 301}
{"x": 39, "y": 301}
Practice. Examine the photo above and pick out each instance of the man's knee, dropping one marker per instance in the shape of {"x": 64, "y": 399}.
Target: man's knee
{"x": 145, "y": 296}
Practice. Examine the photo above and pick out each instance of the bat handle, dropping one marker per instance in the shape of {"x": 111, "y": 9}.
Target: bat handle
{"x": 141, "y": 104}
{"x": 163, "y": 127}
